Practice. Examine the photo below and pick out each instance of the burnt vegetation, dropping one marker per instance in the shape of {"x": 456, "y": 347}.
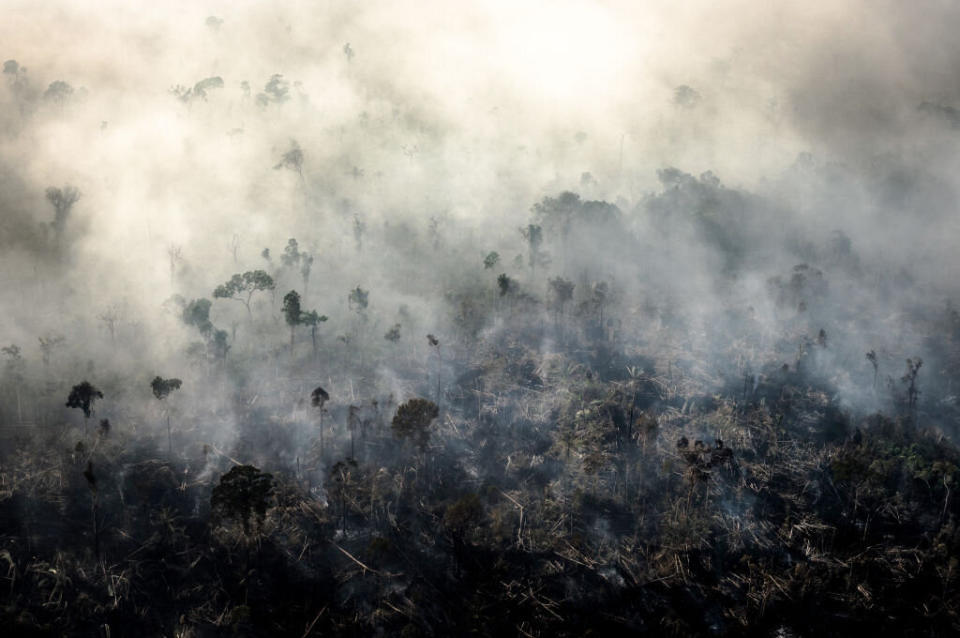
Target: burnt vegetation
{"x": 571, "y": 461}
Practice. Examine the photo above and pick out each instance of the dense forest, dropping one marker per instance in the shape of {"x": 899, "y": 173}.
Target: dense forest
{"x": 308, "y": 337}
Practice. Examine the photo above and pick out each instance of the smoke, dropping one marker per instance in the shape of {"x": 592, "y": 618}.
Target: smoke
{"x": 400, "y": 144}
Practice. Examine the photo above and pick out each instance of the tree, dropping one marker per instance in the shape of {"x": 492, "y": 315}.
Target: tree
{"x": 243, "y": 492}
{"x": 872, "y": 358}
{"x": 242, "y": 287}
{"x": 534, "y": 236}
{"x": 175, "y": 254}
{"x": 344, "y": 479}
{"x": 62, "y": 200}
{"x": 306, "y": 264}
{"x": 599, "y": 297}
{"x": 491, "y": 260}
{"x": 313, "y": 319}
{"x": 292, "y": 313}
{"x": 161, "y": 390}
{"x": 91, "y": 479}
{"x": 412, "y": 421}
{"x": 14, "y": 373}
{"x": 110, "y": 318}
{"x": 292, "y": 159}
{"x": 319, "y": 398}
{"x": 435, "y": 343}
{"x": 17, "y": 76}
{"x": 58, "y": 92}
{"x": 358, "y": 228}
{"x": 505, "y": 284}
{"x": 461, "y": 518}
{"x": 393, "y": 334}
{"x": 291, "y": 253}
{"x": 562, "y": 290}
{"x": 353, "y": 422}
{"x": 48, "y": 344}
{"x": 358, "y": 299}
{"x": 83, "y": 396}
{"x": 197, "y": 314}
{"x": 276, "y": 90}
{"x": 910, "y": 380}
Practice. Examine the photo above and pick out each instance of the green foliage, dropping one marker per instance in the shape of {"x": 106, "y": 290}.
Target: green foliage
{"x": 249, "y": 282}
{"x": 241, "y": 287}
{"x": 412, "y": 421}
{"x": 491, "y": 260}
{"x": 291, "y": 308}
{"x": 58, "y": 91}
{"x": 197, "y": 314}
{"x": 244, "y": 491}
{"x": 358, "y": 299}
{"x": 312, "y": 318}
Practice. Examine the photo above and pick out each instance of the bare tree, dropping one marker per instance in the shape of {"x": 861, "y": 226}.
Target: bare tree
{"x": 175, "y": 255}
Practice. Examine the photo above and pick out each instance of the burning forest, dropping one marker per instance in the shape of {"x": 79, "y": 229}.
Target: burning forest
{"x": 578, "y": 318}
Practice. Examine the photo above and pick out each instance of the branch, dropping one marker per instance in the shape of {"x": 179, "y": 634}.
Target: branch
{"x": 354, "y": 559}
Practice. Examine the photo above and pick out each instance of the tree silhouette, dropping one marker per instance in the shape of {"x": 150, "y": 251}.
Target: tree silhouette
{"x": 534, "y": 236}
{"x": 13, "y": 370}
{"x": 161, "y": 390}
{"x": 197, "y": 314}
{"x": 62, "y": 200}
{"x": 48, "y": 344}
{"x": 319, "y": 398}
{"x": 292, "y": 313}
{"x": 243, "y": 492}
{"x": 313, "y": 319}
{"x": 562, "y": 290}
{"x": 242, "y": 287}
{"x": 412, "y": 421}
{"x": 83, "y": 396}
{"x": 58, "y": 92}
{"x": 292, "y": 159}
{"x": 358, "y": 299}
{"x": 393, "y": 334}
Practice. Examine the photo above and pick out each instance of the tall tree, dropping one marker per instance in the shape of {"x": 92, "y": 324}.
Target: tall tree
{"x": 242, "y": 287}
{"x": 313, "y": 319}
{"x": 13, "y": 370}
{"x": 319, "y": 398}
{"x": 292, "y": 314}
{"x": 161, "y": 390}
{"x": 62, "y": 200}
{"x": 83, "y": 396}
{"x": 412, "y": 421}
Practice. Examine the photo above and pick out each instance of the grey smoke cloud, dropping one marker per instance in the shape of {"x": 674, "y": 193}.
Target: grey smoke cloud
{"x": 467, "y": 114}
